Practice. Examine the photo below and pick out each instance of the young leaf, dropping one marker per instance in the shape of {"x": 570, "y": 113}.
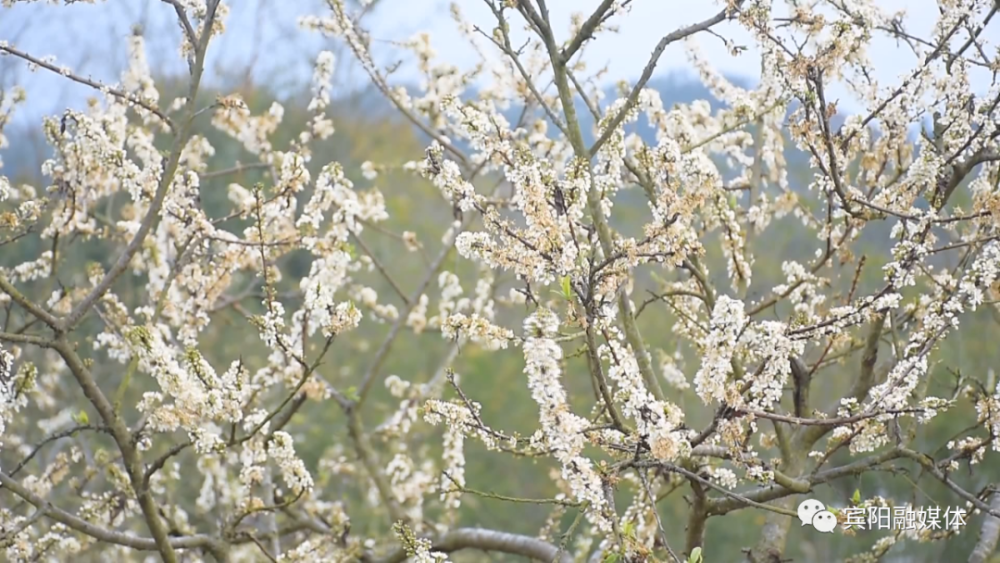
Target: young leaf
{"x": 629, "y": 529}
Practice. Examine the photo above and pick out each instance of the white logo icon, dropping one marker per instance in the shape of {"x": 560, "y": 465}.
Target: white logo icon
{"x": 813, "y": 513}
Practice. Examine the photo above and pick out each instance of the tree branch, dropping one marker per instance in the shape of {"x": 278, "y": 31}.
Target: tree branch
{"x": 487, "y": 540}
{"x": 103, "y": 534}
{"x": 988, "y": 535}
{"x": 88, "y": 82}
{"x": 27, "y": 304}
{"x": 647, "y": 72}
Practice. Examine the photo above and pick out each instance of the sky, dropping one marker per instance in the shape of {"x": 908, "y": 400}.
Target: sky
{"x": 263, "y": 36}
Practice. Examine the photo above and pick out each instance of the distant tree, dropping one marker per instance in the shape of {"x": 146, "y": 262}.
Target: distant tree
{"x": 134, "y": 417}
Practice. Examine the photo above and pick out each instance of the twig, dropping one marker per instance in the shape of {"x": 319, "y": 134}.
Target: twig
{"x": 88, "y": 82}
{"x": 647, "y": 72}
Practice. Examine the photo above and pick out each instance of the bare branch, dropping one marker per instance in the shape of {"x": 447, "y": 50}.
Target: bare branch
{"x": 88, "y": 82}
{"x": 487, "y": 540}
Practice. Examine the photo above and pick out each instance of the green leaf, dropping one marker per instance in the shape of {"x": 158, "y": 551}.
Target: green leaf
{"x": 695, "y": 556}
{"x": 351, "y": 251}
{"x": 81, "y": 418}
{"x": 856, "y": 498}
{"x": 612, "y": 557}
{"x": 567, "y": 289}
{"x": 352, "y": 393}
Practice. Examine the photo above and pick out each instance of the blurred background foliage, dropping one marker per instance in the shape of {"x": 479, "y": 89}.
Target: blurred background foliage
{"x": 368, "y": 130}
